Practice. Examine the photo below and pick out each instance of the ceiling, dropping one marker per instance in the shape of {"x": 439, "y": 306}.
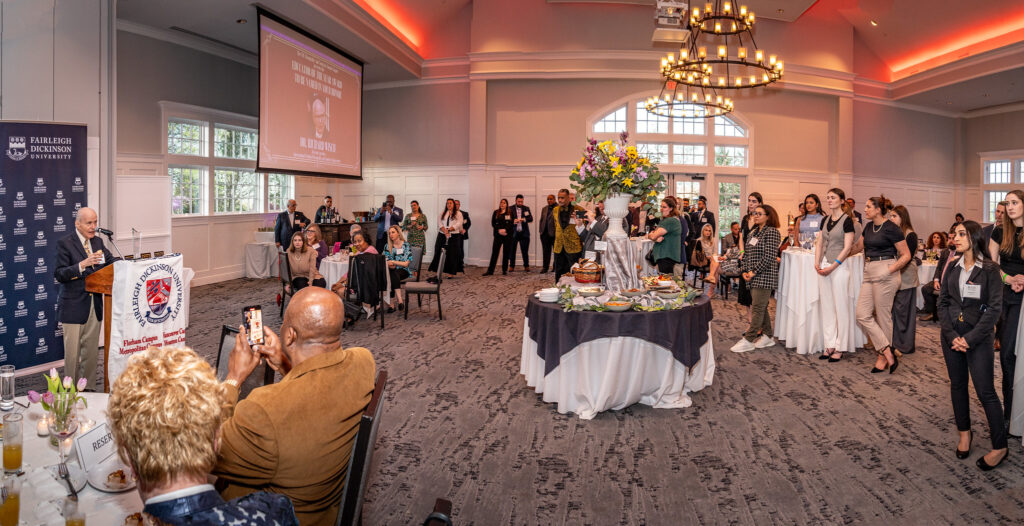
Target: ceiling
{"x": 997, "y": 89}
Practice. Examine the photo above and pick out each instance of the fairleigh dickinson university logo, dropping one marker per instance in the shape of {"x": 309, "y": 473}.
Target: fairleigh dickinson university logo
{"x": 163, "y": 295}
{"x": 16, "y": 148}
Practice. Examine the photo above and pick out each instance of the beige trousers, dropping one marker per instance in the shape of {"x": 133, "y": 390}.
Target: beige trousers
{"x": 81, "y": 348}
{"x": 874, "y": 302}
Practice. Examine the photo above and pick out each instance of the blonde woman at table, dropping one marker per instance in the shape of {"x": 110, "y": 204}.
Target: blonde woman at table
{"x": 904, "y": 304}
{"x": 831, "y": 249}
{"x": 398, "y": 254}
{"x": 761, "y": 270}
{"x": 173, "y": 462}
{"x": 885, "y": 253}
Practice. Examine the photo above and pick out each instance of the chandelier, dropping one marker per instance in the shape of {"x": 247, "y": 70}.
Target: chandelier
{"x": 691, "y": 79}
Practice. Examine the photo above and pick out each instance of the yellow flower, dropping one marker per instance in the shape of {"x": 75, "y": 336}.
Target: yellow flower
{"x": 631, "y": 151}
{"x": 628, "y": 182}
{"x": 616, "y": 169}
{"x": 653, "y": 193}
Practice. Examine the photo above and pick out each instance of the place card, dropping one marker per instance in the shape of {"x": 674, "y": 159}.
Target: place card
{"x": 600, "y": 246}
{"x": 590, "y": 255}
{"x": 94, "y": 446}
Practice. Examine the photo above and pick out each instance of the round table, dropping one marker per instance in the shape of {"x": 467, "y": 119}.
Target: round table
{"x": 925, "y": 272}
{"x": 332, "y": 271}
{"x": 39, "y": 489}
{"x": 588, "y": 362}
{"x": 797, "y": 310}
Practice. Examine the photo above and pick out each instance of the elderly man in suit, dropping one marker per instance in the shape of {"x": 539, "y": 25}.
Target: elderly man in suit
{"x": 79, "y": 254}
{"x": 286, "y": 437}
{"x": 547, "y": 232}
{"x": 288, "y": 222}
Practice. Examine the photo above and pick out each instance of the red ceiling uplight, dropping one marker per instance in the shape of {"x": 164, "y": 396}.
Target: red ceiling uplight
{"x": 973, "y": 39}
{"x": 401, "y": 23}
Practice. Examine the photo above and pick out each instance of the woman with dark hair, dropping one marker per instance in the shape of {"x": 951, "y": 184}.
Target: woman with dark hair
{"x": 1005, "y": 250}
{"x": 761, "y": 270}
{"x": 957, "y": 219}
{"x": 667, "y": 237}
{"x": 501, "y": 222}
{"x": 830, "y": 251}
{"x": 904, "y": 304}
{"x": 302, "y": 263}
{"x": 969, "y": 305}
{"x": 885, "y": 253}
{"x": 936, "y": 241}
{"x": 809, "y": 223}
{"x": 754, "y": 200}
{"x": 415, "y": 226}
{"x": 449, "y": 238}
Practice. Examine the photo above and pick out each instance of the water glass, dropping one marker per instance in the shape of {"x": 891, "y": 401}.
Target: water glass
{"x": 14, "y": 424}
{"x": 10, "y": 494}
{"x": 6, "y": 387}
{"x": 72, "y": 515}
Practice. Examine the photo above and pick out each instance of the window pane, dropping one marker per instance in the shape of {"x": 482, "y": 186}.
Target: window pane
{"x": 688, "y": 154}
{"x": 234, "y": 143}
{"x": 614, "y": 122}
{"x": 688, "y": 190}
{"x": 186, "y": 137}
{"x": 280, "y": 188}
{"x": 657, "y": 153}
{"x": 187, "y": 184}
{"x": 992, "y": 200}
{"x": 730, "y": 155}
{"x": 647, "y": 122}
{"x": 998, "y": 172}
{"x": 688, "y": 125}
{"x": 726, "y": 127}
{"x": 730, "y": 206}
{"x": 236, "y": 191}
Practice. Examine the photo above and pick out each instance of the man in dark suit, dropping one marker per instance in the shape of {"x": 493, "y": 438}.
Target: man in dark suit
{"x": 547, "y": 232}
{"x": 521, "y": 218}
{"x": 388, "y": 214}
{"x": 325, "y": 212}
{"x": 700, "y": 218}
{"x": 853, "y": 208}
{"x": 79, "y": 254}
{"x": 1000, "y": 212}
{"x": 288, "y": 222}
{"x": 465, "y": 229}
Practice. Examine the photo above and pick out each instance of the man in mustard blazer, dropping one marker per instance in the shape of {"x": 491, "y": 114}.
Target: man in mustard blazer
{"x": 568, "y": 247}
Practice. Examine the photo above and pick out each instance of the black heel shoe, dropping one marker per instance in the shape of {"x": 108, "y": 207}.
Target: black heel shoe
{"x": 964, "y": 454}
{"x": 833, "y": 359}
{"x": 895, "y": 359}
{"x": 984, "y": 465}
{"x": 876, "y": 369}
{"x": 825, "y": 355}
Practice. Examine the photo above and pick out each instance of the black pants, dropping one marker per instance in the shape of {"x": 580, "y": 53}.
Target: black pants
{"x": 930, "y": 297}
{"x": 397, "y": 274}
{"x": 523, "y": 242}
{"x": 564, "y": 262}
{"x": 666, "y": 266}
{"x": 546, "y": 244}
{"x": 904, "y": 320}
{"x": 301, "y": 283}
{"x": 1007, "y": 349}
{"x": 381, "y": 243}
{"x": 979, "y": 363}
{"x": 502, "y": 244}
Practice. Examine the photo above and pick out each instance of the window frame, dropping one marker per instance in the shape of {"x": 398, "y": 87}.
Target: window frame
{"x": 1016, "y": 160}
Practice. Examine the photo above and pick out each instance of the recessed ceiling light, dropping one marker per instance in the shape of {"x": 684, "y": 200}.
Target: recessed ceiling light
{"x": 873, "y": 23}
{"x": 782, "y": 11}
{"x": 241, "y": 21}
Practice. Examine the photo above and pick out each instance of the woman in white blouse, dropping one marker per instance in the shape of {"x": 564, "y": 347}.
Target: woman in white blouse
{"x": 448, "y": 237}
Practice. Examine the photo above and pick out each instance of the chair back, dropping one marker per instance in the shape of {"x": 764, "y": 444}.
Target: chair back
{"x": 370, "y": 265}
{"x": 284, "y": 269}
{"x": 440, "y": 265}
{"x": 417, "y": 261}
{"x": 262, "y": 375}
{"x": 351, "y": 507}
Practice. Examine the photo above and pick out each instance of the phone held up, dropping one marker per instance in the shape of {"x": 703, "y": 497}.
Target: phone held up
{"x": 253, "y": 317}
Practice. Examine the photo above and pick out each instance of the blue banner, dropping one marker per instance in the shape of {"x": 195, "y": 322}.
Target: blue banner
{"x": 42, "y": 185}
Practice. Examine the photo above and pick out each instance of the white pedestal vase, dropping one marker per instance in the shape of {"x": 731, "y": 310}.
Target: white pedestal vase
{"x": 616, "y": 207}
{"x": 620, "y": 261}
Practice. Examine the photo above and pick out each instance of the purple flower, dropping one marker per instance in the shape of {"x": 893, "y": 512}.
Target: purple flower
{"x": 640, "y": 174}
{"x": 82, "y": 382}
{"x": 48, "y": 397}
{"x": 34, "y": 397}
{"x": 67, "y": 382}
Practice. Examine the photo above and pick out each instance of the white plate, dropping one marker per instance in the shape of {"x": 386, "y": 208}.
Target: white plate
{"x": 75, "y": 473}
{"x": 98, "y": 475}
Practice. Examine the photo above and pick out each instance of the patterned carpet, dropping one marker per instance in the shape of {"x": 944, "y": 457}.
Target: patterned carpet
{"x": 778, "y": 439}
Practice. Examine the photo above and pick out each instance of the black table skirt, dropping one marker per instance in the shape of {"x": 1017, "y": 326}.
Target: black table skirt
{"x": 682, "y": 331}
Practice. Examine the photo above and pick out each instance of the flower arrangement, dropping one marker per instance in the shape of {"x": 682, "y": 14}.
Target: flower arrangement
{"x": 612, "y": 167}
{"x": 61, "y": 396}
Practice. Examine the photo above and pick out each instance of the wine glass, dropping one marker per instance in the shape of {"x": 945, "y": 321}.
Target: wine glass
{"x": 61, "y": 428}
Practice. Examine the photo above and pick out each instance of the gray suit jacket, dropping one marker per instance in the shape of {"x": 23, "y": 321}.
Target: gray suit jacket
{"x": 594, "y": 232}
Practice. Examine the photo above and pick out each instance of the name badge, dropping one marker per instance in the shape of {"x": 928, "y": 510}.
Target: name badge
{"x": 94, "y": 446}
{"x": 972, "y": 291}
{"x": 507, "y": 217}
{"x": 398, "y": 250}
{"x": 753, "y": 242}
{"x": 600, "y": 246}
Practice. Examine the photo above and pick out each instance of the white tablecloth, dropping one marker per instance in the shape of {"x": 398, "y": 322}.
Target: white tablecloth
{"x": 615, "y": 373}
{"x": 798, "y": 312}
{"x": 39, "y": 487}
{"x": 332, "y": 271}
{"x": 925, "y": 272}
{"x": 643, "y": 246}
{"x": 261, "y": 260}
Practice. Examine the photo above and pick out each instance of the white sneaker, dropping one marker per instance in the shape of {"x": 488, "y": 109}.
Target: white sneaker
{"x": 764, "y": 341}
{"x": 743, "y": 346}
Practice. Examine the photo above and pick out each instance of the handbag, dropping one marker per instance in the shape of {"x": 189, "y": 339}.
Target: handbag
{"x": 731, "y": 267}
{"x": 650, "y": 257}
{"x": 700, "y": 259}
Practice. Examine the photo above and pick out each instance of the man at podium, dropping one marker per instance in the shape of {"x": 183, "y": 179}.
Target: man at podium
{"x": 79, "y": 254}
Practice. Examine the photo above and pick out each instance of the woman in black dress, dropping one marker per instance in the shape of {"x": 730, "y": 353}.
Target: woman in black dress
{"x": 501, "y": 222}
{"x": 1005, "y": 250}
{"x": 746, "y": 225}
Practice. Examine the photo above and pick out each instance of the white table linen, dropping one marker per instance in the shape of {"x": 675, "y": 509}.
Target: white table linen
{"x": 615, "y": 373}
{"x": 39, "y": 489}
{"x": 925, "y": 272}
{"x": 798, "y": 310}
{"x": 261, "y": 260}
{"x": 332, "y": 270}
{"x": 643, "y": 246}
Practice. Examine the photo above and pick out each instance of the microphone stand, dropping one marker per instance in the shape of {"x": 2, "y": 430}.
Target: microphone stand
{"x": 110, "y": 238}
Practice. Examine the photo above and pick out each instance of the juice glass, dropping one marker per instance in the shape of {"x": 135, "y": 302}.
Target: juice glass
{"x": 12, "y": 433}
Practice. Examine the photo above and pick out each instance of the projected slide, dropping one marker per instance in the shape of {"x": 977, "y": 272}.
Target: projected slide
{"x": 310, "y": 104}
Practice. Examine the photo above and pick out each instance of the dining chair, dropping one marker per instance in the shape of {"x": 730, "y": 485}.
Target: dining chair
{"x": 284, "y": 272}
{"x": 351, "y": 509}
{"x": 425, "y": 287}
{"x": 414, "y": 265}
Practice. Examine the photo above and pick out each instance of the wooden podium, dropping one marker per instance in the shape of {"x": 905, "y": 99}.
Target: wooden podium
{"x": 102, "y": 282}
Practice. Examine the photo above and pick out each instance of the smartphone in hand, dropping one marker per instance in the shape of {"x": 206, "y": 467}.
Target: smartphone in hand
{"x": 253, "y": 323}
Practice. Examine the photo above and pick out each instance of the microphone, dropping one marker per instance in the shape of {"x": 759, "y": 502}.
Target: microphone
{"x": 110, "y": 234}
{"x": 105, "y": 232}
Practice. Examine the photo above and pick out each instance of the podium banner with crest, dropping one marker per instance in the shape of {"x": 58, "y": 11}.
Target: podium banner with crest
{"x": 42, "y": 185}
{"x": 149, "y": 308}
